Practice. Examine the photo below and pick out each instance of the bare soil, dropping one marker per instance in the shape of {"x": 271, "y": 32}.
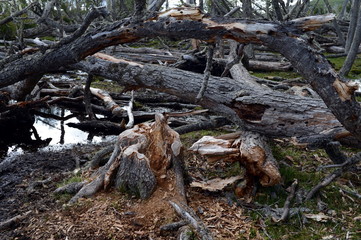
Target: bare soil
{"x": 108, "y": 215}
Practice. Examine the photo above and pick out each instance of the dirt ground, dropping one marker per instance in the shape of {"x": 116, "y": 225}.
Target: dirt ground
{"x": 115, "y": 215}
{"x": 108, "y": 215}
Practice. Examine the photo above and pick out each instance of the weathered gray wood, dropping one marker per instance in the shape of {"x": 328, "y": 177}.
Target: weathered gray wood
{"x": 12, "y": 221}
{"x": 353, "y": 49}
{"x": 188, "y": 215}
{"x": 191, "y": 23}
{"x": 353, "y": 23}
{"x": 273, "y": 113}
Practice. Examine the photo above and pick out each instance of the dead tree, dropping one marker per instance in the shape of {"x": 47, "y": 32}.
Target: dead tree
{"x": 242, "y": 100}
{"x": 191, "y": 23}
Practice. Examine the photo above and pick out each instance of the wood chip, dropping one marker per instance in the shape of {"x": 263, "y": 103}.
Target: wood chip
{"x": 216, "y": 184}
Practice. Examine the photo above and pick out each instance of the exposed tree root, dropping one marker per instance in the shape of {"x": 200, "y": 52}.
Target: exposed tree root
{"x": 173, "y": 226}
{"x": 12, "y": 221}
{"x": 139, "y": 161}
{"x": 70, "y": 188}
{"x": 188, "y": 215}
{"x": 99, "y": 156}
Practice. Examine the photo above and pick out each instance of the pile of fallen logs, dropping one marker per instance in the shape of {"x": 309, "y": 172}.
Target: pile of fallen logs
{"x": 147, "y": 155}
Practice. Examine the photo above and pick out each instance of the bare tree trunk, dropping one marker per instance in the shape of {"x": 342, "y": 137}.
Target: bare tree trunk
{"x": 155, "y": 5}
{"x": 353, "y": 24}
{"x": 335, "y": 24}
{"x": 123, "y": 6}
{"x": 139, "y": 8}
{"x": 352, "y": 53}
{"x": 201, "y": 5}
{"x": 247, "y": 9}
{"x": 277, "y": 9}
{"x": 241, "y": 99}
{"x": 343, "y": 10}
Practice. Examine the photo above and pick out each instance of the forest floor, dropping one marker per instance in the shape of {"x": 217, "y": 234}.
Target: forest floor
{"x": 115, "y": 215}
{"x": 333, "y": 214}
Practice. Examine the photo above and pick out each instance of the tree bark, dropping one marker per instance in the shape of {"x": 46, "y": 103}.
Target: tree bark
{"x": 277, "y": 9}
{"x": 353, "y": 23}
{"x": 247, "y": 9}
{"x": 335, "y": 24}
{"x": 258, "y": 108}
{"x": 352, "y": 53}
{"x": 282, "y": 38}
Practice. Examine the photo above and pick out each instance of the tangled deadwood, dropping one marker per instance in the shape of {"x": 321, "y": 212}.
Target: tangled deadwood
{"x": 140, "y": 160}
{"x": 250, "y": 149}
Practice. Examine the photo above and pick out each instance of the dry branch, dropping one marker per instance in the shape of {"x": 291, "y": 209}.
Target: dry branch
{"x": 241, "y": 100}
{"x": 16, "y": 14}
{"x": 12, "y": 221}
{"x": 191, "y": 23}
{"x": 346, "y": 166}
{"x": 286, "y": 207}
{"x": 188, "y": 215}
{"x": 108, "y": 101}
{"x": 207, "y": 73}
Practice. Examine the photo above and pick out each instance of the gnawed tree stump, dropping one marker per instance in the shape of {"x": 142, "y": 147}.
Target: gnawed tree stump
{"x": 248, "y": 148}
{"x": 139, "y": 162}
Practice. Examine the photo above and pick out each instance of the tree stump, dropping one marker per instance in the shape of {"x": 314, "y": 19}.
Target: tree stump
{"x": 250, "y": 150}
{"x": 139, "y": 162}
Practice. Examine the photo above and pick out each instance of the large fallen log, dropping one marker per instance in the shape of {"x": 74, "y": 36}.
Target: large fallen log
{"x": 183, "y": 23}
{"x": 260, "y": 109}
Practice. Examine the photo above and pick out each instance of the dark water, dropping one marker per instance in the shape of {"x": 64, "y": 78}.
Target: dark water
{"x": 55, "y": 133}
{"x": 59, "y": 131}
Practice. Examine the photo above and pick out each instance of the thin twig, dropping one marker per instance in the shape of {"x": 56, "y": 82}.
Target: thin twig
{"x": 235, "y": 60}
{"x": 129, "y": 110}
{"x": 337, "y": 173}
{"x": 353, "y": 193}
{"x": 87, "y": 97}
{"x": 286, "y": 207}
{"x": 207, "y": 73}
{"x": 320, "y": 168}
{"x": 189, "y": 215}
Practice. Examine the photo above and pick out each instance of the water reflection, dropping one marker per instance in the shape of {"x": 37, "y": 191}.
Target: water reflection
{"x": 55, "y": 126}
{"x": 49, "y": 128}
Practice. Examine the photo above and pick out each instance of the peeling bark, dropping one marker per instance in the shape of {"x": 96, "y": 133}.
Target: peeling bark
{"x": 139, "y": 162}
{"x": 252, "y": 152}
{"x": 242, "y": 100}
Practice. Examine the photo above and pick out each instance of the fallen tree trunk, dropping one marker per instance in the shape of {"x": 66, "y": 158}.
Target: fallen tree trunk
{"x": 183, "y": 23}
{"x": 273, "y": 113}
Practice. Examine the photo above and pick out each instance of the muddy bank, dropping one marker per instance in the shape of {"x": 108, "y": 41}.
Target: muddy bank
{"x": 20, "y": 174}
